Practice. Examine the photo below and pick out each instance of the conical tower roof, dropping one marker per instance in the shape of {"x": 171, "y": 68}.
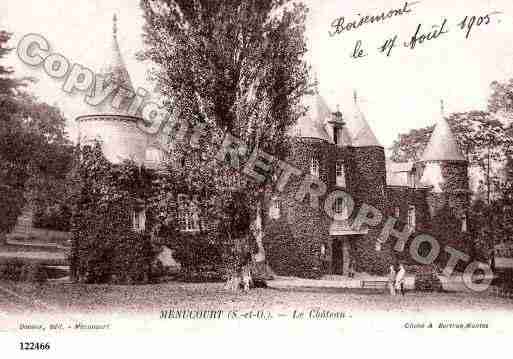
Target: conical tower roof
{"x": 442, "y": 145}
{"x": 114, "y": 68}
{"x": 313, "y": 124}
{"x": 358, "y": 127}
{"x": 356, "y": 131}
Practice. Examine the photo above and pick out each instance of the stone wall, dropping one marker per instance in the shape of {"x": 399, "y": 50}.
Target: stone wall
{"x": 120, "y": 137}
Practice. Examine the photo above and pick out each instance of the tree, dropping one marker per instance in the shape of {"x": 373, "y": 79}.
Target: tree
{"x": 501, "y": 98}
{"x": 45, "y": 189}
{"x": 231, "y": 66}
{"x": 35, "y": 153}
{"x": 15, "y": 146}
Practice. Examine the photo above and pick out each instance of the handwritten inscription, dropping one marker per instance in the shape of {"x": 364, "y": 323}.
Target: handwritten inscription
{"x": 425, "y": 33}
{"x": 339, "y": 25}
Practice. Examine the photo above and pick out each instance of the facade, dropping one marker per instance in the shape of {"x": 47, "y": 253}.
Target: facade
{"x": 340, "y": 149}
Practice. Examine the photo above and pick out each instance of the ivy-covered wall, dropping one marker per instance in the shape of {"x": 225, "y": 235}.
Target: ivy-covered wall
{"x": 103, "y": 196}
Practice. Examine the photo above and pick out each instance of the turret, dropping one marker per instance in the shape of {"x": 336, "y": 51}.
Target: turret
{"x": 117, "y": 131}
{"x": 444, "y": 170}
{"x": 369, "y": 158}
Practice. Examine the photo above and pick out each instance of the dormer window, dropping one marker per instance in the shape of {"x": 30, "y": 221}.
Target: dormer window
{"x": 341, "y": 209}
{"x": 340, "y": 174}
{"x": 411, "y": 178}
{"x": 139, "y": 220}
{"x": 315, "y": 167}
{"x": 188, "y": 215}
{"x": 274, "y": 209}
{"x": 188, "y": 219}
{"x": 336, "y": 135}
{"x": 464, "y": 225}
{"x": 337, "y": 122}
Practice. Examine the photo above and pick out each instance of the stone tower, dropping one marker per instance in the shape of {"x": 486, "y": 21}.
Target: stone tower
{"x": 368, "y": 157}
{"x": 444, "y": 169}
{"x": 110, "y": 123}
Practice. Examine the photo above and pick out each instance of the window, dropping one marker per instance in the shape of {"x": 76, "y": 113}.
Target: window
{"x": 336, "y": 135}
{"x": 154, "y": 155}
{"x": 323, "y": 250}
{"x": 188, "y": 217}
{"x": 341, "y": 174}
{"x": 411, "y": 217}
{"x": 139, "y": 220}
{"x": 397, "y": 212}
{"x": 341, "y": 209}
{"x": 315, "y": 167}
{"x": 464, "y": 228}
{"x": 274, "y": 209}
{"x": 411, "y": 178}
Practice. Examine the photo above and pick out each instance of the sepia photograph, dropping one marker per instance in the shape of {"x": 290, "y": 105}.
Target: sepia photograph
{"x": 248, "y": 174}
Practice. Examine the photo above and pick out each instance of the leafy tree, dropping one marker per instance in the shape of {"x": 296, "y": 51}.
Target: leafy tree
{"x": 501, "y": 98}
{"x": 35, "y": 154}
{"x": 231, "y": 66}
{"x": 45, "y": 189}
{"x": 16, "y": 146}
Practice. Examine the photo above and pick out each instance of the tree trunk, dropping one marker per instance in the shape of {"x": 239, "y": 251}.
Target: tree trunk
{"x": 488, "y": 177}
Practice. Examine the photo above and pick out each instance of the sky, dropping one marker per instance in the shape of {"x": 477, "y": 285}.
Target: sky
{"x": 397, "y": 93}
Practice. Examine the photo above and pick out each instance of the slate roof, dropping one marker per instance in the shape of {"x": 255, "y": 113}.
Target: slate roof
{"x": 442, "y": 145}
{"x": 114, "y": 67}
{"x": 314, "y": 124}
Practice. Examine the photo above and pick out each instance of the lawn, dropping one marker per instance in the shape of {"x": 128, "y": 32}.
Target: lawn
{"x": 104, "y": 298}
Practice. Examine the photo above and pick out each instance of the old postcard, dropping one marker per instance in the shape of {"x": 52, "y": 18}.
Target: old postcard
{"x": 223, "y": 177}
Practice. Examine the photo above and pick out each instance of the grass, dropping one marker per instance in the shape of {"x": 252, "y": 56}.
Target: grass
{"x": 108, "y": 298}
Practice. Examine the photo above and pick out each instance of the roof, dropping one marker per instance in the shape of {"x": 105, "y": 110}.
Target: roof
{"x": 314, "y": 124}
{"x": 114, "y": 68}
{"x": 442, "y": 145}
{"x": 361, "y": 132}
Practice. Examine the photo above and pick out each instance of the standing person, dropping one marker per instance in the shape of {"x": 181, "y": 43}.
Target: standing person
{"x": 246, "y": 271}
{"x": 350, "y": 273}
{"x": 399, "y": 279}
{"x": 492, "y": 260}
{"x": 391, "y": 280}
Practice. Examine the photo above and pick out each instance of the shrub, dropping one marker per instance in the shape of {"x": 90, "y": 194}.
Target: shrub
{"x": 120, "y": 257}
{"x": 12, "y": 270}
{"x": 133, "y": 257}
{"x": 504, "y": 279}
{"x": 55, "y": 217}
{"x": 34, "y": 273}
{"x": 18, "y": 271}
{"x": 195, "y": 252}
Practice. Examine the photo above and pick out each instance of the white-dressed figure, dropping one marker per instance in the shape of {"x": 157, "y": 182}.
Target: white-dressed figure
{"x": 399, "y": 279}
{"x": 391, "y": 280}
